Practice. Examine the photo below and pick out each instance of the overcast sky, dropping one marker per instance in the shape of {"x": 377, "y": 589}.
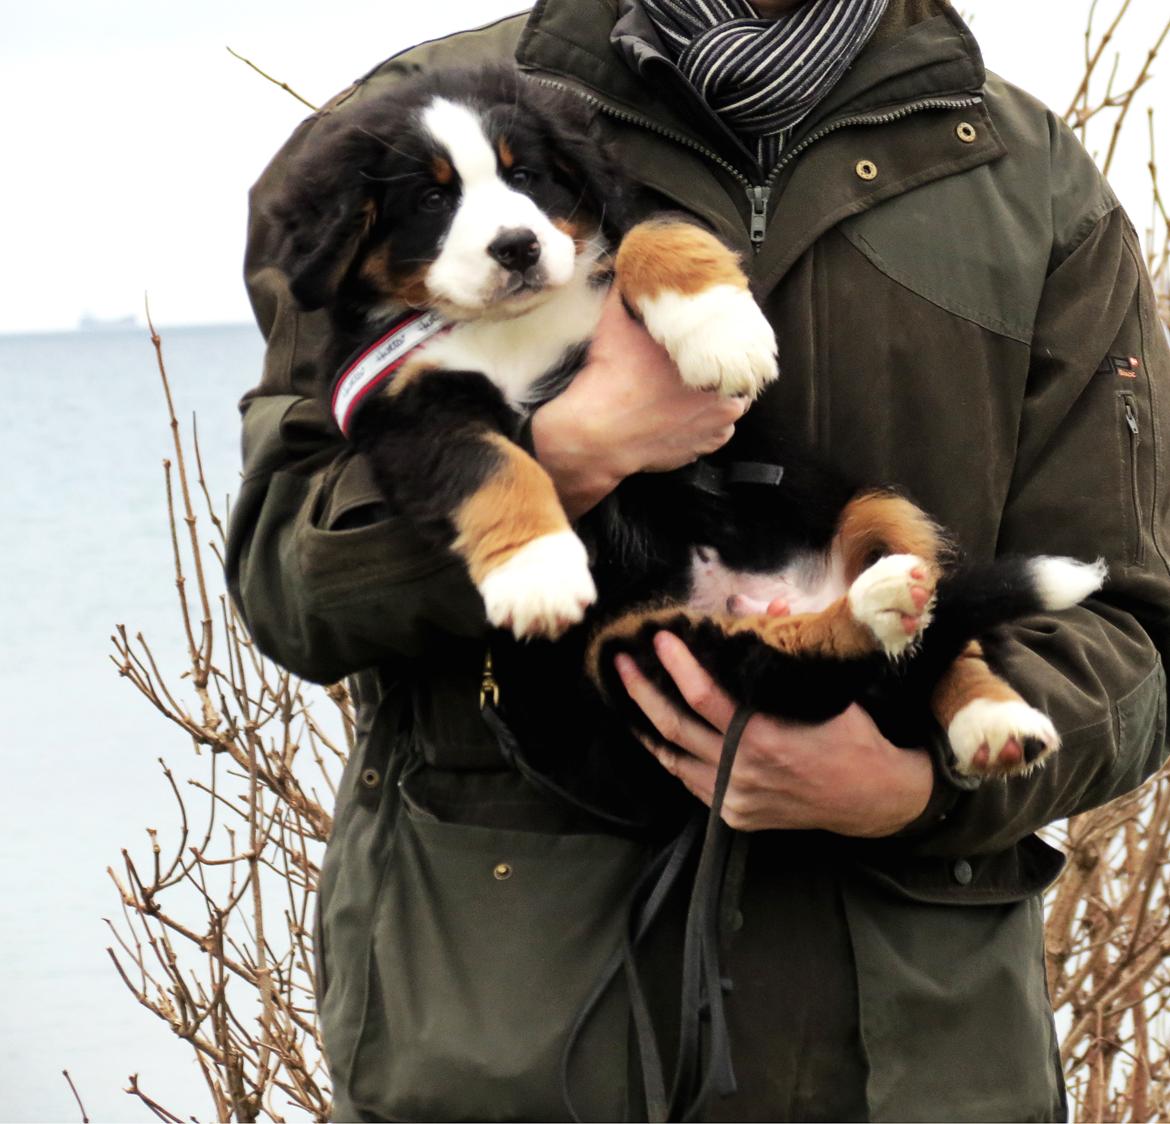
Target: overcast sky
{"x": 131, "y": 135}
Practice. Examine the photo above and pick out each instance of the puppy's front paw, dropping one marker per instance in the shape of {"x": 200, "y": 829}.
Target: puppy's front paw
{"x": 893, "y": 599}
{"x": 718, "y": 338}
{"x": 1000, "y": 738}
{"x": 542, "y": 590}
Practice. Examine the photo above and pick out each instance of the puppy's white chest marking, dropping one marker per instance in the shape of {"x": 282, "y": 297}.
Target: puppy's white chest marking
{"x": 808, "y": 585}
{"x": 515, "y": 353}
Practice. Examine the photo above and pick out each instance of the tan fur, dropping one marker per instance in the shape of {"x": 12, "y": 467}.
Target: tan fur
{"x": 580, "y": 228}
{"x": 410, "y": 372}
{"x": 966, "y": 680}
{"x": 879, "y": 523}
{"x": 507, "y": 157}
{"x": 411, "y": 288}
{"x": 675, "y": 257}
{"x": 833, "y": 633}
{"x": 515, "y": 505}
{"x": 376, "y": 270}
{"x": 442, "y": 170}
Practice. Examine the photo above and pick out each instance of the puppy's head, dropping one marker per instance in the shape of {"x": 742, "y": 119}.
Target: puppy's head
{"x": 473, "y": 194}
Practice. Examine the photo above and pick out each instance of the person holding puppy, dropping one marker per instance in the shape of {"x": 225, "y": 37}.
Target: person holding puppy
{"x": 962, "y": 311}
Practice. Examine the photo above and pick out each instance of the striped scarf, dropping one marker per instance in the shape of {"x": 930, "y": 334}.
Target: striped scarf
{"x": 763, "y": 76}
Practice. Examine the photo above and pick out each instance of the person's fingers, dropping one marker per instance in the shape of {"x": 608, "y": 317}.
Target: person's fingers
{"x": 680, "y": 729}
{"x": 698, "y": 777}
{"x": 778, "y": 607}
{"x": 701, "y": 692}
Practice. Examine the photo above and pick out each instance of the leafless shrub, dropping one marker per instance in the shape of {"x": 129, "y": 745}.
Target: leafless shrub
{"x": 215, "y": 933}
{"x": 1108, "y": 929}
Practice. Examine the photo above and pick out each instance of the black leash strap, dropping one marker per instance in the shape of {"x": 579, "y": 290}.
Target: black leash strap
{"x": 703, "y": 986}
{"x": 702, "y": 983}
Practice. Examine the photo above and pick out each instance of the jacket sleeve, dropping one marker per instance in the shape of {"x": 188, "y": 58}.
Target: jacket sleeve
{"x": 327, "y": 580}
{"x": 1089, "y": 481}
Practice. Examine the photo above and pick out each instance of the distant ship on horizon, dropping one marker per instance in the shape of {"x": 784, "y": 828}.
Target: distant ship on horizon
{"x": 89, "y": 323}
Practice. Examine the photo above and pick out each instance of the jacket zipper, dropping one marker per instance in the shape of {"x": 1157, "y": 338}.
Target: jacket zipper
{"x": 759, "y": 194}
{"x": 1135, "y": 439}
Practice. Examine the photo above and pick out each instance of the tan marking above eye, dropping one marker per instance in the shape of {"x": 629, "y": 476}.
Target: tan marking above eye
{"x": 442, "y": 169}
{"x": 507, "y": 157}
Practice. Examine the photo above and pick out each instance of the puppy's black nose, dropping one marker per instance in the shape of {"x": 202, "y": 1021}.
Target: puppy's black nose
{"x": 517, "y": 248}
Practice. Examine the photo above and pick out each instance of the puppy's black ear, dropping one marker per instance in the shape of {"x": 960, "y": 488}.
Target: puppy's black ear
{"x": 322, "y": 214}
{"x": 320, "y": 245}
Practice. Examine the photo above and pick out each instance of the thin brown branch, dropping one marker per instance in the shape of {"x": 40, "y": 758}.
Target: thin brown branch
{"x": 76, "y": 1096}
{"x": 276, "y": 82}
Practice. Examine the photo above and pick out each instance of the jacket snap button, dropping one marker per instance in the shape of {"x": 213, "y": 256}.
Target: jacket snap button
{"x": 965, "y": 132}
{"x": 501, "y": 872}
{"x": 963, "y": 872}
{"x": 371, "y": 778}
{"x": 866, "y": 169}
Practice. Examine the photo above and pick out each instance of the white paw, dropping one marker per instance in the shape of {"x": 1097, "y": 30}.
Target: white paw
{"x": 995, "y": 724}
{"x": 1064, "y": 582}
{"x": 543, "y": 589}
{"x": 893, "y": 599}
{"x": 719, "y": 339}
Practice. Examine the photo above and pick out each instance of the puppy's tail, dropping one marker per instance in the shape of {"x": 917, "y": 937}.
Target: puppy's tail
{"x": 978, "y": 597}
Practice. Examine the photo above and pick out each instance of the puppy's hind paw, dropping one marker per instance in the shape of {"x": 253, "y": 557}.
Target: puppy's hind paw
{"x": 1000, "y": 738}
{"x": 718, "y": 338}
{"x": 542, "y": 590}
{"x": 893, "y": 599}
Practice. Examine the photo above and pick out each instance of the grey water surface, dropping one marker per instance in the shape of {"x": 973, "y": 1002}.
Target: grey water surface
{"x": 84, "y": 545}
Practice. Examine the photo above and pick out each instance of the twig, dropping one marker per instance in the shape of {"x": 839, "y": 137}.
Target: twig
{"x": 276, "y": 82}
{"x": 76, "y": 1096}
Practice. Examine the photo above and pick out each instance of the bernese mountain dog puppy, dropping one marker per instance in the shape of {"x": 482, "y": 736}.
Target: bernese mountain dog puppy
{"x": 463, "y": 230}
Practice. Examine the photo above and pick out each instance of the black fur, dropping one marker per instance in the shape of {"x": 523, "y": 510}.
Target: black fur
{"x": 365, "y": 179}
{"x": 427, "y": 444}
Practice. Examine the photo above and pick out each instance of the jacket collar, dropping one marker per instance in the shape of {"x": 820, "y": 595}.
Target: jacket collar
{"x": 922, "y": 49}
{"x": 921, "y": 55}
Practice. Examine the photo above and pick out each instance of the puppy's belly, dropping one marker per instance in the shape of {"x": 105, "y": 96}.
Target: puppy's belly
{"x": 808, "y": 584}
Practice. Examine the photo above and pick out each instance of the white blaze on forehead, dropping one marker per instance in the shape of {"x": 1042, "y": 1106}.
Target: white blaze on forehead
{"x": 465, "y": 275}
{"x": 460, "y": 132}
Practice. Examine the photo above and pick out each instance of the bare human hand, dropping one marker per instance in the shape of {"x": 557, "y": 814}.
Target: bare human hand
{"x": 841, "y": 776}
{"x": 626, "y": 411}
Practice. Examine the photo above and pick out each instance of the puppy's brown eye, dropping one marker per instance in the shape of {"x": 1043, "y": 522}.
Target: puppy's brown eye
{"x": 434, "y": 200}
{"x": 521, "y": 178}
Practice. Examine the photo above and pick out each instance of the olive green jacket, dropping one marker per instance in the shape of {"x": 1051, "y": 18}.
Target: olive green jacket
{"x": 962, "y": 311}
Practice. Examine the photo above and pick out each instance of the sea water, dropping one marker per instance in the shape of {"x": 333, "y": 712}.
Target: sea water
{"x": 84, "y": 545}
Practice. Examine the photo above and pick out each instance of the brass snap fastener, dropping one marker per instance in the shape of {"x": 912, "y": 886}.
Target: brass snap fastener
{"x": 866, "y": 170}
{"x": 501, "y": 872}
{"x": 965, "y": 132}
{"x": 371, "y": 778}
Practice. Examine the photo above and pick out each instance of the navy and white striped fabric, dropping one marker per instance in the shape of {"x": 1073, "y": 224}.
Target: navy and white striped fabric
{"x": 762, "y": 76}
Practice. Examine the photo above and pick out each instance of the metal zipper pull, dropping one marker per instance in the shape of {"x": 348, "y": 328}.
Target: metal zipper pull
{"x": 488, "y": 687}
{"x": 1131, "y": 417}
{"x": 759, "y": 195}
